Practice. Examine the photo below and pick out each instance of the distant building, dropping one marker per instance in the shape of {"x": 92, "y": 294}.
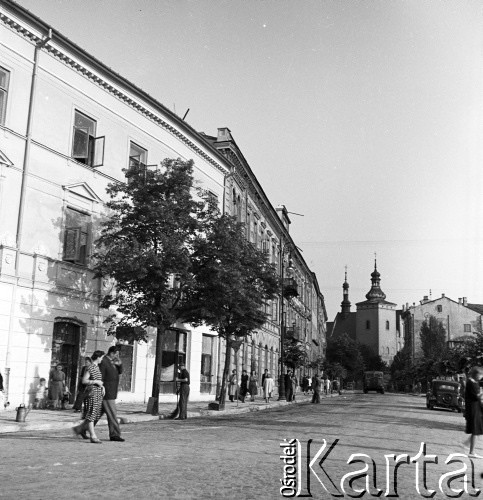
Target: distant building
{"x": 376, "y": 322}
{"x": 460, "y": 320}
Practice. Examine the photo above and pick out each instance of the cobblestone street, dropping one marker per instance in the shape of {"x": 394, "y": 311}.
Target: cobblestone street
{"x": 235, "y": 457}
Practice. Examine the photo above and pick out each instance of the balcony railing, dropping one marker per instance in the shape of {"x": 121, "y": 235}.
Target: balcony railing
{"x": 292, "y": 332}
{"x": 290, "y": 288}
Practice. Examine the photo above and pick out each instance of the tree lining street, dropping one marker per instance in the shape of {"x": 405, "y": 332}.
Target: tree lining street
{"x": 236, "y": 457}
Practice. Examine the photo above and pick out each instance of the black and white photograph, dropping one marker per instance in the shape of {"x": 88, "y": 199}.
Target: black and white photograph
{"x": 241, "y": 249}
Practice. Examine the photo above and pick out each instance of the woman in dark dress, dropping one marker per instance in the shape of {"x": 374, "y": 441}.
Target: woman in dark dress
{"x": 244, "y": 386}
{"x": 81, "y": 392}
{"x": 474, "y": 422}
{"x": 95, "y": 393}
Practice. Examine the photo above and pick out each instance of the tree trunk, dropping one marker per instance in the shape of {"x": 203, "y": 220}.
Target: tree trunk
{"x": 226, "y": 370}
{"x": 157, "y": 369}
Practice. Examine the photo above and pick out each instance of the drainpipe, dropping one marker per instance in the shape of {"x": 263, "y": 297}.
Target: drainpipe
{"x": 26, "y": 164}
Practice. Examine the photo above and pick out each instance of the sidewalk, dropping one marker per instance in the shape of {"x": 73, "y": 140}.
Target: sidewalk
{"x": 128, "y": 413}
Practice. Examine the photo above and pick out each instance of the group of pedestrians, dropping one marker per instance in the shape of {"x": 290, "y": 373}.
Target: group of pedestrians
{"x": 249, "y": 386}
{"x": 100, "y": 382}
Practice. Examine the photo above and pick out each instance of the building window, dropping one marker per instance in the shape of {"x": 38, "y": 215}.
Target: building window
{"x": 467, "y": 328}
{"x": 368, "y": 325}
{"x": 387, "y": 325}
{"x": 206, "y": 363}
{"x": 4, "y": 81}
{"x": 76, "y": 236}
{"x": 86, "y": 147}
{"x": 137, "y": 160}
{"x": 439, "y": 308}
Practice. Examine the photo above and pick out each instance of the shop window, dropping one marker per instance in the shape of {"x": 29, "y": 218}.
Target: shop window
{"x": 174, "y": 353}
{"x": 86, "y": 147}
{"x": 76, "y": 236}
{"x": 206, "y": 363}
{"x": 126, "y": 354}
{"x": 4, "y": 82}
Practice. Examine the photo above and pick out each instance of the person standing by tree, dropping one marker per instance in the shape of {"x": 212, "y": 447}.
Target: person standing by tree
{"x": 184, "y": 392}
{"x": 111, "y": 369}
{"x": 288, "y": 386}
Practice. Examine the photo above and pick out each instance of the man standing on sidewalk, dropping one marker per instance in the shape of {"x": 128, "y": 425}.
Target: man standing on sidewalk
{"x": 111, "y": 368}
{"x": 184, "y": 391}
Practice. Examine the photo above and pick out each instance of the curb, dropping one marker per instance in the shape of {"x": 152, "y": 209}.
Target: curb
{"x": 138, "y": 418}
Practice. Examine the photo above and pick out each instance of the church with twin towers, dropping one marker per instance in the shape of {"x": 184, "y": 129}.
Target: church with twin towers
{"x": 376, "y": 322}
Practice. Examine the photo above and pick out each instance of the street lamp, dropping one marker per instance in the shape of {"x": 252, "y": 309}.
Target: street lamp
{"x": 281, "y": 383}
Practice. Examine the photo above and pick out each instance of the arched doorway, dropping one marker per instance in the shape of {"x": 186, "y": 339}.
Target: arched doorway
{"x": 65, "y": 351}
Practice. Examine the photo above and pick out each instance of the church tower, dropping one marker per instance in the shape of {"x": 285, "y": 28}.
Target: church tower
{"x": 345, "y": 304}
{"x": 376, "y": 320}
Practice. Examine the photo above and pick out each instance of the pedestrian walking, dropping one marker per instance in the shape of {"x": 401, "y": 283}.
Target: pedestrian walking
{"x": 253, "y": 385}
{"x": 473, "y": 414}
{"x": 81, "y": 392}
{"x": 95, "y": 389}
{"x": 184, "y": 392}
{"x": 111, "y": 369}
{"x": 288, "y": 386}
{"x": 232, "y": 386}
{"x": 305, "y": 384}
{"x": 264, "y": 376}
{"x": 268, "y": 386}
{"x": 244, "y": 386}
{"x": 316, "y": 389}
{"x": 57, "y": 386}
{"x": 2, "y": 401}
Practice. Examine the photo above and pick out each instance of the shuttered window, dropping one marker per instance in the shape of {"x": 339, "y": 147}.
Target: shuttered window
{"x": 86, "y": 147}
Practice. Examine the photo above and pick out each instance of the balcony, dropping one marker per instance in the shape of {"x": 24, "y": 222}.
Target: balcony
{"x": 290, "y": 288}
{"x": 293, "y": 332}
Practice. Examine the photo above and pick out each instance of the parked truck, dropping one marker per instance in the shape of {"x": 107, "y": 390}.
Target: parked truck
{"x": 373, "y": 381}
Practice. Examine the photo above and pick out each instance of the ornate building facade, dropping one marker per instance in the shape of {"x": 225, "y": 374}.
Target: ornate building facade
{"x": 69, "y": 126}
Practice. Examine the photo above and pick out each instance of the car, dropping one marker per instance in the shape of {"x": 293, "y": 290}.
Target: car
{"x": 373, "y": 381}
{"x": 445, "y": 394}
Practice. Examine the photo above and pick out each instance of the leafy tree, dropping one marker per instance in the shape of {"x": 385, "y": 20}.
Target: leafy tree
{"x": 345, "y": 351}
{"x": 145, "y": 247}
{"x": 234, "y": 281}
{"x": 433, "y": 338}
{"x": 295, "y": 353}
{"x": 372, "y": 360}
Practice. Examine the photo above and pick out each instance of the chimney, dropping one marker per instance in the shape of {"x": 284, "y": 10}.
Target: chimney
{"x": 465, "y": 301}
{"x": 459, "y": 300}
{"x": 442, "y": 295}
{"x": 425, "y": 299}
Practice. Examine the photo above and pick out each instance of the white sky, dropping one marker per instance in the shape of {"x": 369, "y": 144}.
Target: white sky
{"x": 365, "y": 116}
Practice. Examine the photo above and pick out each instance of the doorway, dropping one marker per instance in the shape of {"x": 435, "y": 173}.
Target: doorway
{"x": 65, "y": 351}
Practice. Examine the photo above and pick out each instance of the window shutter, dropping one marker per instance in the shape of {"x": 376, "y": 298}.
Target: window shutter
{"x": 80, "y": 147}
{"x": 71, "y": 243}
{"x": 98, "y": 155}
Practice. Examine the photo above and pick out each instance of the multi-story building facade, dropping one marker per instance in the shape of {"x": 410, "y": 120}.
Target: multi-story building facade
{"x": 69, "y": 125}
{"x": 460, "y": 320}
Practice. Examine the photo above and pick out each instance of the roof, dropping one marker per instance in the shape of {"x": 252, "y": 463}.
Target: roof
{"x": 342, "y": 324}
{"x": 476, "y": 307}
